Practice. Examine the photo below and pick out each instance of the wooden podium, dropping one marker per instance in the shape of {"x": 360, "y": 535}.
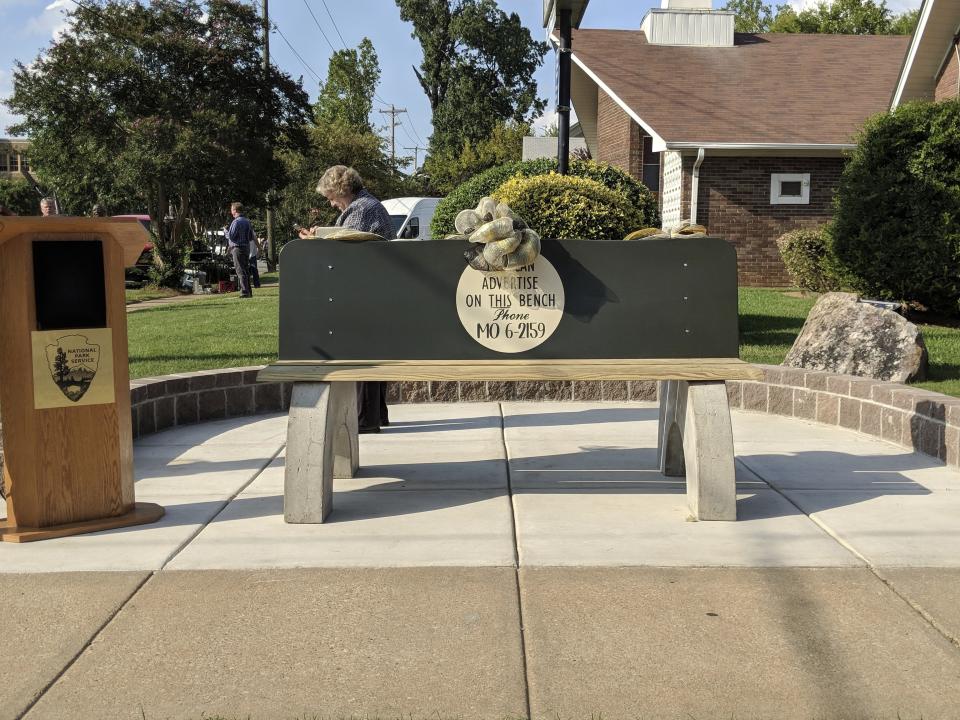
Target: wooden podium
{"x": 64, "y": 380}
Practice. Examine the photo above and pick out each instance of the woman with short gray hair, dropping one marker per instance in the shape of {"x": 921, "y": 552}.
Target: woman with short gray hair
{"x": 343, "y": 189}
{"x": 359, "y": 210}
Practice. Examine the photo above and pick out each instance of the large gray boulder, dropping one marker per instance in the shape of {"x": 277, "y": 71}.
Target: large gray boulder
{"x": 845, "y": 336}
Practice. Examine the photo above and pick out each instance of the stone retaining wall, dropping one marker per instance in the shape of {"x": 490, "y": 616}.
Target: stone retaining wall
{"x": 915, "y": 419}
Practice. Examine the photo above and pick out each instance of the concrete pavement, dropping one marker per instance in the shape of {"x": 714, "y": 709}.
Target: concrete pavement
{"x": 501, "y": 560}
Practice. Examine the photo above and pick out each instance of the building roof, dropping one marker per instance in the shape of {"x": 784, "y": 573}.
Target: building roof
{"x": 768, "y": 89}
{"x": 937, "y": 28}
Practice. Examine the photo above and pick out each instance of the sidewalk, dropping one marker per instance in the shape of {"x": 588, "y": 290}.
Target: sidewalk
{"x": 501, "y": 560}
{"x": 173, "y": 299}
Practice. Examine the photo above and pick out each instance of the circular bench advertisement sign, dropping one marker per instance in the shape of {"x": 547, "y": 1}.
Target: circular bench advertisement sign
{"x": 511, "y": 311}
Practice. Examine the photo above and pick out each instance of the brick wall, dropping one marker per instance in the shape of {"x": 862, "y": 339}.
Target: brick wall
{"x": 947, "y": 82}
{"x": 618, "y": 137}
{"x": 734, "y": 195}
{"x": 734, "y": 203}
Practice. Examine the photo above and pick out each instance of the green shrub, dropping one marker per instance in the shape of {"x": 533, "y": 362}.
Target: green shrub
{"x": 806, "y": 254}
{"x": 897, "y": 225}
{"x": 564, "y": 206}
{"x": 469, "y": 193}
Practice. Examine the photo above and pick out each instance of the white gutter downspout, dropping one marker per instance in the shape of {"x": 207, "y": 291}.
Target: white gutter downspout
{"x": 695, "y": 185}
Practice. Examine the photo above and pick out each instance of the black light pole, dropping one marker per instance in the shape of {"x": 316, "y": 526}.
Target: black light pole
{"x": 563, "y": 92}
{"x": 270, "y": 241}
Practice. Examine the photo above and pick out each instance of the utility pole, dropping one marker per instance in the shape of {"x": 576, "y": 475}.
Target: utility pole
{"x": 393, "y": 112}
{"x": 271, "y": 243}
{"x": 416, "y": 155}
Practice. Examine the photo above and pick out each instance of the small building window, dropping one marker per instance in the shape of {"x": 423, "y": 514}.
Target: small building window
{"x": 651, "y": 164}
{"x": 4, "y": 163}
{"x": 790, "y": 189}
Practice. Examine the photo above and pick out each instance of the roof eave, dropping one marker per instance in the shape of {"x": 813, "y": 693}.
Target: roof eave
{"x": 834, "y": 147}
{"x": 658, "y": 142}
{"x": 925, "y": 8}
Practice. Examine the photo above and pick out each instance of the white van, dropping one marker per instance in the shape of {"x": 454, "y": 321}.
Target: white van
{"x": 411, "y": 216}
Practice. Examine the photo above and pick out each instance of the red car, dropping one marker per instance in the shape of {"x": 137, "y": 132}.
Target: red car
{"x": 144, "y": 258}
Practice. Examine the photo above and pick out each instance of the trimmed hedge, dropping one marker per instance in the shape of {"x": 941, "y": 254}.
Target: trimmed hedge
{"x": 896, "y": 232}
{"x": 806, "y": 254}
{"x": 484, "y": 184}
{"x": 564, "y": 206}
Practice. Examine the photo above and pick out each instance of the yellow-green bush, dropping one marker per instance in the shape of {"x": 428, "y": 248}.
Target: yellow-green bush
{"x": 563, "y": 206}
{"x": 806, "y": 254}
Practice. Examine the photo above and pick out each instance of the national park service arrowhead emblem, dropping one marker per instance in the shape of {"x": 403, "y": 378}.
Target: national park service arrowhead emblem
{"x": 73, "y": 362}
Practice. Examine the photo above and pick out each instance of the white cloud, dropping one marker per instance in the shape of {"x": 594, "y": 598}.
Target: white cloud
{"x": 548, "y": 119}
{"x": 53, "y": 21}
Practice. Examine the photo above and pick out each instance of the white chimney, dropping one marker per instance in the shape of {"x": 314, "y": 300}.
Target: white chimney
{"x": 688, "y": 22}
{"x": 686, "y": 5}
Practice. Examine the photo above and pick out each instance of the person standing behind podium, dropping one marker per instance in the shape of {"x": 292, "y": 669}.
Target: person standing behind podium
{"x": 239, "y": 236}
{"x": 48, "y": 207}
{"x": 343, "y": 189}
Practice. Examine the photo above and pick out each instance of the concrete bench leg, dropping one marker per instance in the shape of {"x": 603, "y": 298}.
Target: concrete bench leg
{"x": 695, "y": 438}
{"x": 322, "y": 443}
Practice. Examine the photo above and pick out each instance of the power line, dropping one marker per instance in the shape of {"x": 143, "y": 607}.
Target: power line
{"x": 336, "y": 27}
{"x": 294, "y": 51}
{"x": 330, "y": 15}
{"x": 320, "y": 28}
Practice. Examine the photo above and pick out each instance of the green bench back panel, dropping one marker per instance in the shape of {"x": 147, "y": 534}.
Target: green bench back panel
{"x": 667, "y": 298}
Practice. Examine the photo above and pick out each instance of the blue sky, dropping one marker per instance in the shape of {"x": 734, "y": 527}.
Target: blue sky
{"x": 28, "y": 26}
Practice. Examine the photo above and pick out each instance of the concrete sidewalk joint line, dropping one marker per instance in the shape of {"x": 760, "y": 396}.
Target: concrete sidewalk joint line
{"x": 816, "y": 521}
{"x": 927, "y": 617}
{"x": 83, "y": 648}
{"x": 953, "y": 639}
{"x": 516, "y": 563}
{"x": 223, "y": 506}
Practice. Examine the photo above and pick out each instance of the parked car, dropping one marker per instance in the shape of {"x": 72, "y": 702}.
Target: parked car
{"x": 411, "y": 216}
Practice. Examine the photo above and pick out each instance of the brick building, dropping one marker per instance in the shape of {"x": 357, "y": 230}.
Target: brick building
{"x": 743, "y": 133}
{"x": 931, "y": 67}
{"x": 13, "y": 158}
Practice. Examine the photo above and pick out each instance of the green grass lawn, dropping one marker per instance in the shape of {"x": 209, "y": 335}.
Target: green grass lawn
{"x": 770, "y": 320}
{"x": 214, "y": 331}
{"x": 223, "y": 331}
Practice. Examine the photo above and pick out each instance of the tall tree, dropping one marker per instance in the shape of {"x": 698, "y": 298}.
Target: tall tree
{"x": 505, "y": 144}
{"x": 477, "y": 68}
{"x": 753, "y": 16}
{"x": 347, "y": 94}
{"x": 847, "y": 17}
{"x": 164, "y": 104}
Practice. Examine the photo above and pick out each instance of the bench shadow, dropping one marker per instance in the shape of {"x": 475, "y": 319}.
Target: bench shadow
{"x": 416, "y": 426}
{"x": 592, "y": 470}
{"x": 827, "y": 479}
